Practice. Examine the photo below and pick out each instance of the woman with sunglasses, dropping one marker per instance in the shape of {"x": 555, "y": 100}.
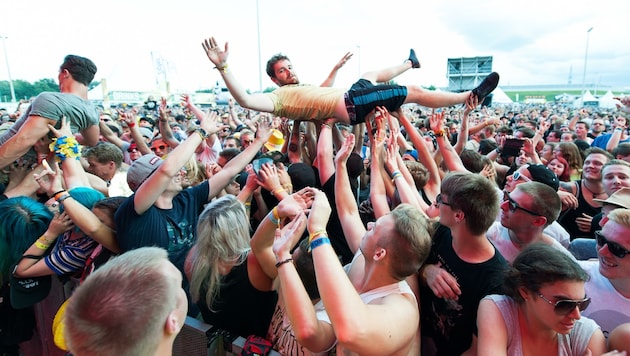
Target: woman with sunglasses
{"x": 540, "y": 313}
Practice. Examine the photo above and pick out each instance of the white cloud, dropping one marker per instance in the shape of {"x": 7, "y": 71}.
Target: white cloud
{"x": 534, "y": 42}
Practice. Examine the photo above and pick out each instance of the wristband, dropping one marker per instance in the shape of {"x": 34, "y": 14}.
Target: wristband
{"x": 278, "y": 190}
{"x": 318, "y": 242}
{"x": 62, "y": 198}
{"x": 54, "y": 195}
{"x": 204, "y": 135}
{"x": 40, "y": 245}
{"x": 222, "y": 68}
{"x": 315, "y": 235}
{"x": 58, "y": 195}
{"x": 131, "y": 124}
{"x": 396, "y": 174}
{"x": 619, "y": 128}
{"x": 280, "y": 263}
{"x": 439, "y": 133}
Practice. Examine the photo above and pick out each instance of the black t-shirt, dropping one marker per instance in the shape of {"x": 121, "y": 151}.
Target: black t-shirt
{"x": 448, "y": 325}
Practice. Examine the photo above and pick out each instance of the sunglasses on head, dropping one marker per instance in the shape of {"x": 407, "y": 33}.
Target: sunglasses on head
{"x": 160, "y": 147}
{"x": 613, "y": 247}
{"x": 566, "y": 306}
{"x": 517, "y": 175}
{"x": 513, "y": 205}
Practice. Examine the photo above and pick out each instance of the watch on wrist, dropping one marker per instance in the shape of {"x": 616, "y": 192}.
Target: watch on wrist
{"x": 204, "y": 135}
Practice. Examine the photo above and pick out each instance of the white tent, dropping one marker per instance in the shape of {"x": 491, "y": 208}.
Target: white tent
{"x": 586, "y": 100}
{"x": 607, "y": 101}
{"x": 499, "y": 97}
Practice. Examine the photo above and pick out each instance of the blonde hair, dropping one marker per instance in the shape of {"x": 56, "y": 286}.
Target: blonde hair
{"x": 223, "y": 234}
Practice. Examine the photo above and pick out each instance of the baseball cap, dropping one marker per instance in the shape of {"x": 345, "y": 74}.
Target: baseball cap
{"x": 146, "y": 132}
{"x": 620, "y": 198}
{"x": 148, "y": 119}
{"x": 141, "y": 169}
{"x": 28, "y": 291}
{"x": 540, "y": 173}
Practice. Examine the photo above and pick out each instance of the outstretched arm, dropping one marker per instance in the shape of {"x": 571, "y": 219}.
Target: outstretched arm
{"x": 34, "y": 128}
{"x": 333, "y": 73}
{"x": 259, "y": 102}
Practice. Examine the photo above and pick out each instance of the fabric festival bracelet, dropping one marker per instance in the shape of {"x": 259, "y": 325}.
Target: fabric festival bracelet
{"x": 318, "y": 242}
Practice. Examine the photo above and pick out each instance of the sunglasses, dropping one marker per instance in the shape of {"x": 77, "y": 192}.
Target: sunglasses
{"x": 132, "y": 150}
{"x": 513, "y": 205}
{"x": 160, "y": 147}
{"x": 438, "y": 201}
{"x": 566, "y": 306}
{"x": 613, "y": 247}
{"x": 517, "y": 175}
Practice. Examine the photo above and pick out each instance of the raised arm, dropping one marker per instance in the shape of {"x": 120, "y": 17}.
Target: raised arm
{"x": 619, "y": 125}
{"x": 238, "y": 163}
{"x": 81, "y": 216}
{"x": 165, "y": 129}
{"x": 324, "y": 162}
{"x": 451, "y": 158}
{"x": 432, "y": 187}
{"x": 333, "y": 73}
{"x": 310, "y": 332}
{"x": 345, "y": 203}
{"x": 358, "y": 326}
{"x": 148, "y": 193}
{"x": 218, "y": 57}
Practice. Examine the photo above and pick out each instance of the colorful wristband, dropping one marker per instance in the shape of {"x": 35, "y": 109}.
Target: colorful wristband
{"x": 318, "y": 242}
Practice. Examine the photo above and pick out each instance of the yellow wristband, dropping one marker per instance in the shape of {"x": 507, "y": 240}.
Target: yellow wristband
{"x": 222, "y": 68}
{"x": 315, "y": 235}
{"x": 41, "y": 245}
{"x": 278, "y": 190}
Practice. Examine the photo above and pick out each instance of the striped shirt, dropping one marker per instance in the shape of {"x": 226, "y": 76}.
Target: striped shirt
{"x": 69, "y": 256}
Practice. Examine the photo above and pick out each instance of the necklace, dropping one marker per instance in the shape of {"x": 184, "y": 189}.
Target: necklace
{"x": 595, "y": 195}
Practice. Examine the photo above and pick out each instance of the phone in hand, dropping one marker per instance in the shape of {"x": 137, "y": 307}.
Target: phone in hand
{"x": 512, "y": 147}
{"x": 257, "y": 163}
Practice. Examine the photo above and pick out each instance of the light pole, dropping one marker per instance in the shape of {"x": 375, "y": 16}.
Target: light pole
{"x": 259, "y": 56}
{"x": 588, "y": 36}
{"x": 6, "y": 59}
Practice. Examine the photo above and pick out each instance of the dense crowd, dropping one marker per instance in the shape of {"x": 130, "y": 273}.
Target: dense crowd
{"x": 382, "y": 219}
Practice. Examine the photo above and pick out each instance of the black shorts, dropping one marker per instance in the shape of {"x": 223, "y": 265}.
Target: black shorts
{"x": 363, "y": 97}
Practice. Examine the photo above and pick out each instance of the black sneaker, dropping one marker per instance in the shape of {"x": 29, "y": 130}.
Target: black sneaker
{"x": 415, "y": 63}
{"x": 486, "y": 86}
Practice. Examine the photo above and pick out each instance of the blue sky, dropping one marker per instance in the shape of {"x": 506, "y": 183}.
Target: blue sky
{"x": 533, "y": 42}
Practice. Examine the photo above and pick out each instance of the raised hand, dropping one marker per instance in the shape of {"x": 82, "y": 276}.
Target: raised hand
{"x": 343, "y": 60}
{"x": 296, "y": 203}
{"x": 288, "y": 236}
{"x": 346, "y": 149}
{"x": 217, "y": 56}
{"x": 64, "y": 129}
{"x": 436, "y": 121}
{"x": 48, "y": 179}
{"x": 320, "y": 212}
{"x": 212, "y": 123}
